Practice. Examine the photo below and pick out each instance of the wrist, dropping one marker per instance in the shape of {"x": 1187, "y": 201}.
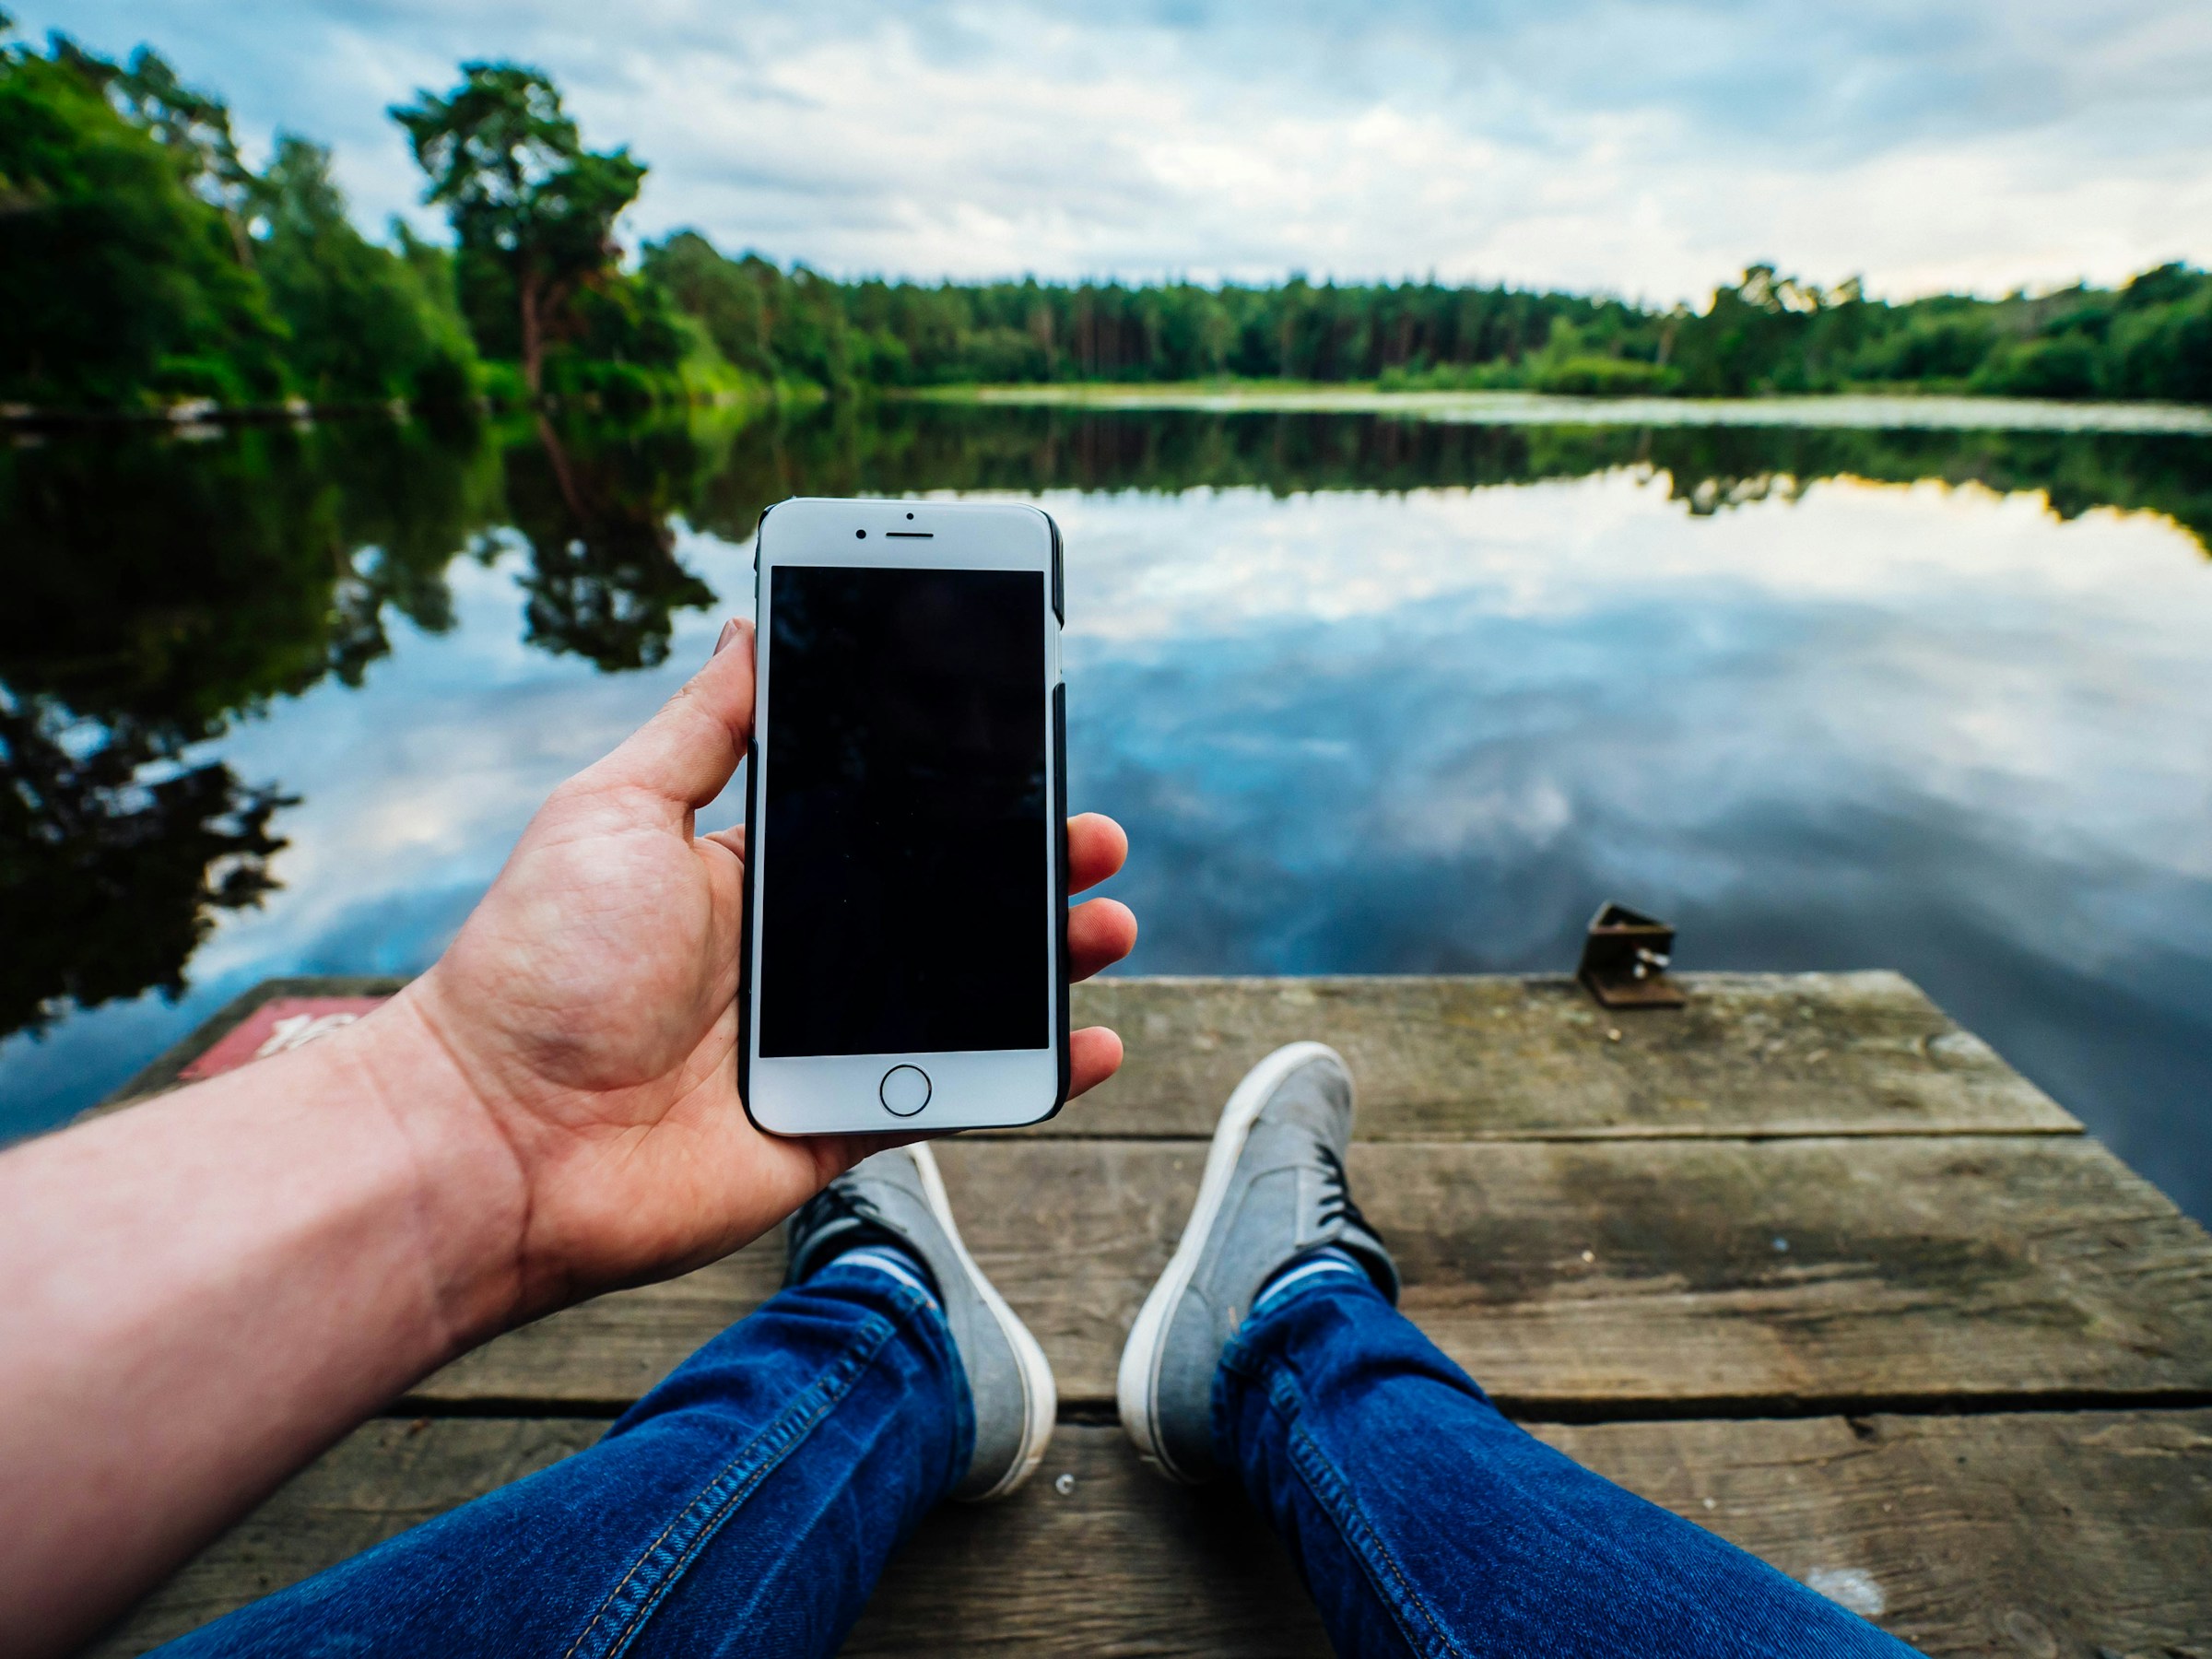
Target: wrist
{"x": 463, "y": 1190}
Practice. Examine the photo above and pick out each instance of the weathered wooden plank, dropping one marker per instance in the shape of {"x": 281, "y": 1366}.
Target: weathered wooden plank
{"x": 2023, "y": 1534}
{"x": 2006, "y": 1535}
{"x": 1436, "y": 1058}
{"x": 1568, "y": 1275}
{"x": 1798, "y": 1270}
{"x": 1808, "y": 1054}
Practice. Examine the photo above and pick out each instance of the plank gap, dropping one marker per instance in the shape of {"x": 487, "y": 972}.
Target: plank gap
{"x": 1525, "y": 1408}
{"x": 1621, "y": 1132}
{"x": 1101, "y": 1411}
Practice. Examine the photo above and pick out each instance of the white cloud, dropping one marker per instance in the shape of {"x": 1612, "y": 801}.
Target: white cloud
{"x": 1147, "y": 573}
{"x": 1646, "y": 149}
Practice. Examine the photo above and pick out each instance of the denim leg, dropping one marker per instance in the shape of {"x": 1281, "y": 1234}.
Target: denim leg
{"x": 1424, "y": 1522}
{"x": 747, "y": 1505}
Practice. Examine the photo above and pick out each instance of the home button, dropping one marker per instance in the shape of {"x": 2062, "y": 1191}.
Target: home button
{"x": 904, "y": 1091}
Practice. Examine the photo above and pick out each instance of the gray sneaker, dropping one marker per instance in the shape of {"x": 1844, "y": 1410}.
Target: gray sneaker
{"x": 1274, "y": 1189}
{"x": 899, "y": 1198}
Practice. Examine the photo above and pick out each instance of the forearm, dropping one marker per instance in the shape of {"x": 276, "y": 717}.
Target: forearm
{"x": 205, "y": 1291}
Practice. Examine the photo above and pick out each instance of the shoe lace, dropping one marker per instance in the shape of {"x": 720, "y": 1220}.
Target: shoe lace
{"x": 1336, "y": 1204}
{"x": 835, "y": 1203}
{"x": 832, "y": 1203}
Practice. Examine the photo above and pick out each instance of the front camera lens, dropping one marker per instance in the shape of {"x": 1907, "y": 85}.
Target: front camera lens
{"x": 860, "y": 536}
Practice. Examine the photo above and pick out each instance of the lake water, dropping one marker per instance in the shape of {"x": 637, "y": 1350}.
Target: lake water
{"x": 1372, "y": 694}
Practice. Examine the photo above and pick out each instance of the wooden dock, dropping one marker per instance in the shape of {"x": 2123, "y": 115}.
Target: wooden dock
{"x": 1804, "y": 1261}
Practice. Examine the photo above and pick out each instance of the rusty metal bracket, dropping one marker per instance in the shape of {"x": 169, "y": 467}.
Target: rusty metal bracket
{"x": 1625, "y": 959}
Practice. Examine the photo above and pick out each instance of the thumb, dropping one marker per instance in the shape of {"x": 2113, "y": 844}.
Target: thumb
{"x": 687, "y": 752}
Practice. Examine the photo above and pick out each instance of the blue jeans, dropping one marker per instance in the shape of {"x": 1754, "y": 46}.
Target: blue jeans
{"x": 748, "y": 1504}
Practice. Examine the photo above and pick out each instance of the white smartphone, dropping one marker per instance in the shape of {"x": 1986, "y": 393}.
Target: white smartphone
{"x": 905, "y": 945}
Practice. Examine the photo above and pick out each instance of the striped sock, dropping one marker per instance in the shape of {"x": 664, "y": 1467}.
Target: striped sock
{"x": 1316, "y": 1267}
{"x": 886, "y": 1258}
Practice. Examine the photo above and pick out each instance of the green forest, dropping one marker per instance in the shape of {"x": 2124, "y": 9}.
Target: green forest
{"x": 144, "y": 265}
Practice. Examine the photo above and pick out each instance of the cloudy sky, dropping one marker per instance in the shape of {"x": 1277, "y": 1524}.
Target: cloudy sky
{"x": 1646, "y": 149}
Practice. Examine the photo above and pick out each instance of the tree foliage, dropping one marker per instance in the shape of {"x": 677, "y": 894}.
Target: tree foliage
{"x": 2151, "y": 338}
{"x": 532, "y": 211}
{"x": 192, "y": 125}
{"x": 1768, "y": 333}
{"x": 365, "y": 321}
{"x": 119, "y": 284}
{"x": 141, "y": 261}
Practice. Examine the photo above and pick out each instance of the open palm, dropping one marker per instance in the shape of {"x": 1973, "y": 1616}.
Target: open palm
{"x": 591, "y": 1002}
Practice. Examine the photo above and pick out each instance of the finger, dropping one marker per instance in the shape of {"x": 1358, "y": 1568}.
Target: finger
{"x": 1095, "y": 847}
{"x": 1100, "y": 934}
{"x": 733, "y": 839}
{"x": 1094, "y": 1054}
{"x": 687, "y": 752}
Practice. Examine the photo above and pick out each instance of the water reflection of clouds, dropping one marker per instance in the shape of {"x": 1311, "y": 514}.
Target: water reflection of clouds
{"x": 1930, "y": 729}
{"x": 1146, "y": 569}
{"x": 417, "y": 785}
{"x": 1909, "y": 634}
{"x": 441, "y": 757}
{"x": 1912, "y": 635}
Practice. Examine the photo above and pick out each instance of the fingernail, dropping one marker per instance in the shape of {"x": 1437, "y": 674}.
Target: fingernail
{"x": 729, "y": 632}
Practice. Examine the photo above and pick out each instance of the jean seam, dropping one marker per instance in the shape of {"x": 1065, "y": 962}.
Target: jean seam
{"x": 1334, "y": 1494}
{"x": 696, "y": 1525}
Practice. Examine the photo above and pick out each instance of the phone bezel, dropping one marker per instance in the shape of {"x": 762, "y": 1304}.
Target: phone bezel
{"x": 838, "y": 1094}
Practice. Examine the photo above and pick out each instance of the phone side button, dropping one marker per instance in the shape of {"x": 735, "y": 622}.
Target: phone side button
{"x": 904, "y": 1091}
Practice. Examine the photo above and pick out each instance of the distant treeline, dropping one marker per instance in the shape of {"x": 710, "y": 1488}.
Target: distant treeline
{"x": 1767, "y": 334}
{"x": 142, "y": 263}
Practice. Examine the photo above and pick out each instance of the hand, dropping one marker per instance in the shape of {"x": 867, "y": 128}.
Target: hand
{"x": 590, "y": 1004}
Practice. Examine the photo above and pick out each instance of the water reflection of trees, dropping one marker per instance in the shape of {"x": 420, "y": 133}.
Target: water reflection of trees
{"x": 595, "y": 508}
{"x": 919, "y": 447}
{"x": 110, "y": 876}
{"x": 158, "y": 591}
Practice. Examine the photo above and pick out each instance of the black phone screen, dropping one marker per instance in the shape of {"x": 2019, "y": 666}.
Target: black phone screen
{"x": 906, "y": 892}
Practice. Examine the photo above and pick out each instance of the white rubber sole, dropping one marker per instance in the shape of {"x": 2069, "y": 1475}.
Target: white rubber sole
{"x": 1039, "y": 1394}
{"x": 1137, "y": 1384}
